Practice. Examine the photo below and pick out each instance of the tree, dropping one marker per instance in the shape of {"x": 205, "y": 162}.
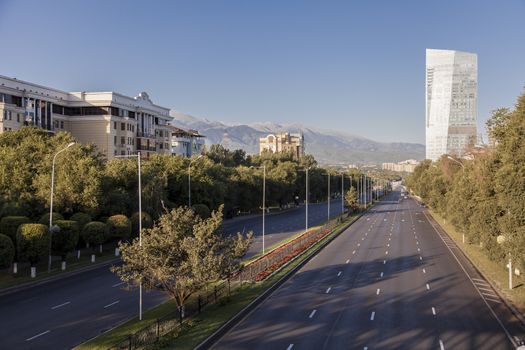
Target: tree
{"x": 95, "y": 232}
{"x": 65, "y": 238}
{"x": 7, "y": 251}
{"x": 119, "y": 226}
{"x": 9, "y": 225}
{"x": 351, "y": 201}
{"x": 32, "y": 242}
{"x": 81, "y": 218}
{"x": 181, "y": 253}
{"x": 147, "y": 222}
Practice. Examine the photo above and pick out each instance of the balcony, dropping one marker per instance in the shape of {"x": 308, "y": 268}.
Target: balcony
{"x": 145, "y": 135}
{"x": 146, "y": 148}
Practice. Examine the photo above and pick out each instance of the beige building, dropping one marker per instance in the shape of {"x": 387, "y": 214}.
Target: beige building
{"x": 114, "y": 123}
{"x": 406, "y": 166}
{"x": 283, "y": 143}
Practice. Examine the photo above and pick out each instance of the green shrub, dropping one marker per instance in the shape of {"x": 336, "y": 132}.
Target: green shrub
{"x": 147, "y": 222}
{"x": 95, "y": 232}
{"x": 44, "y": 219}
{"x": 9, "y": 225}
{"x": 32, "y": 242}
{"x": 65, "y": 239}
{"x": 119, "y": 226}
{"x": 202, "y": 210}
{"x": 81, "y": 218}
{"x": 12, "y": 209}
{"x": 7, "y": 251}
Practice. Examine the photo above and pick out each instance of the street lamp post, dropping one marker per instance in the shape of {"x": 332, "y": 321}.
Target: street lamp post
{"x": 51, "y": 203}
{"x": 328, "y": 196}
{"x": 306, "y": 199}
{"x": 140, "y": 219}
{"x": 342, "y": 194}
{"x": 189, "y": 180}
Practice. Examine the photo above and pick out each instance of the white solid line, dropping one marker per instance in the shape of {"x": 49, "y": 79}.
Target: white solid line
{"x": 372, "y": 315}
{"x": 378, "y": 290}
{"x": 113, "y": 303}
{"x": 63, "y": 304}
{"x": 38, "y": 335}
{"x": 428, "y": 287}
{"x": 433, "y": 311}
{"x": 118, "y": 284}
{"x": 328, "y": 290}
{"x": 424, "y": 271}
{"x": 312, "y": 313}
{"x": 348, "y": 261}
{"x": 381, "y": 274}
{"x": 441, "y": 344}
{"x": 339, "y": 273}
{"x": 289, "y": 347}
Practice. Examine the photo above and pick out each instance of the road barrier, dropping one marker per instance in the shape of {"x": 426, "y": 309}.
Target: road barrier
{"x": 255, "y": 271}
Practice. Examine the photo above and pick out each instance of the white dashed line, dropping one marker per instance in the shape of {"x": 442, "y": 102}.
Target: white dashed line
{"x": 386, "y": 253}
{"x": 378, "y": 290}
{"x": 113, "y": 303}
{"x": 312, "y": 313}
{"x": 441, "y": 344}
{"x": 63, "y": 304}
{"x": 424, "y": 271}
{"x": 353, "y": 252}
{"x": 289, "y": 347}
{"x": 339, "y": 273}
{"x": 420, "y": 258}
{"x": 428, "y": 287}
{"x": 381, "y": 274}
{"x": 347, "y": 261}
{"x": 38, "y": 335}
{"x": 418, "y": 249}
{"x": 433, "y": 311}
{"x": 384, "y": 262}
{"x": 372, "y": 315}
{"x": 118, "y": 284}
{"x": 328, "y": 290}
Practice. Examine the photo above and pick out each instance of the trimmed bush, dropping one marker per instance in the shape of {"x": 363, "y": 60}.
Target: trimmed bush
{"x": 81, "y": 218}
{"x": 32, "y": 242}
{"x": 65, "y": 239}
{"x": 119, "y": 226}
{"x": 7, "y": 251}
{"x": 9, "y": 225}
{"x": 202, "y": 210}
{"x": 44, "y": 219}
{"x": 11, "y": 209}
{"x": 95, "y": 232}
{"x": 147, "y": 222}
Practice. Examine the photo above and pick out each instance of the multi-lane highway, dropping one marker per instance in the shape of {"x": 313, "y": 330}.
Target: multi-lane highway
{"x": 64, "y": 313}
{"x": 391, "y": 281}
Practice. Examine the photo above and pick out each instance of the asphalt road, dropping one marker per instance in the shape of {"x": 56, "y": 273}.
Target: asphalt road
{"x": 64, "y": 313}
{"x": 391, "y": 281}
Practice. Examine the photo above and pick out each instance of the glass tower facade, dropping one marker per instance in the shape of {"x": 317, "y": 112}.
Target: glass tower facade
{"x": 451, "y": 102}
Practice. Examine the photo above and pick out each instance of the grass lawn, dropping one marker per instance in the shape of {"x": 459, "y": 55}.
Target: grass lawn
{"x": 495, "y": 272}
{"x": 8, "y": 279}
{"x": 199, "y": 327}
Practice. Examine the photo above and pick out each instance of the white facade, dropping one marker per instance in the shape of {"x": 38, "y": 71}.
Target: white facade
{"x": 186, "y": 143}
{"x": 451, "y": 102}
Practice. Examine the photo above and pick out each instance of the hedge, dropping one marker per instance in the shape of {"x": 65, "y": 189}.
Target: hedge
{"x": 9, "y": 225}
{"x": 81, "y": 218}
{"x": 32, "y": 242}
{"x": 44, "y": 219}
{"x": 65, "y": 239}
{"x": 147, "y": 222}
{"x": 7, "y": 251}
{"x": 95, "y": 232}
{"x": 119, "y": 226}
{"x": 202, "y": 210}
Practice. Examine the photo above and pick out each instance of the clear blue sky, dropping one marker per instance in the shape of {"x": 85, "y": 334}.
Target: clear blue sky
{"x": 355, "y": 66}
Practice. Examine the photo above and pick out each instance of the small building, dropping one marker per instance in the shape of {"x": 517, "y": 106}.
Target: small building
{"x": 283, "y": 143}
{"x": 406, "y": 166}
{"x": 186, "y": 142}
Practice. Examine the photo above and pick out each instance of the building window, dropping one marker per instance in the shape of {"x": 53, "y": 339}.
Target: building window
{"x": 115, "y": 125}
{"x": 122, "y": 126}
{"x": 122, "y": 140}
{"x": 61, "y": 124}
{"x": 115, "y": 140}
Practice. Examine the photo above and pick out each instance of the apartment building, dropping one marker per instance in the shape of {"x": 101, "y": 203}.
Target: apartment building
{"x": 406, "y": 166}
{"x": 186, "y": 142}
{"x": 283, "y": 143}
{"x": 116, "y": 124}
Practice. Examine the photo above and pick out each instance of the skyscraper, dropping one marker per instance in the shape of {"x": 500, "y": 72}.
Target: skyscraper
{"x": 451, "y": 102}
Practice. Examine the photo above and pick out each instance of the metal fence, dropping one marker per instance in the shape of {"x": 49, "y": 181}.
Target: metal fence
{"x": 256, "y": 270}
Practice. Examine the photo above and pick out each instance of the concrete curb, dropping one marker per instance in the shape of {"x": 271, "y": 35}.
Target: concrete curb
{"x": 31, "y": 284}
{"x": 514, "y": 310}
{"x": 248, "y": 309}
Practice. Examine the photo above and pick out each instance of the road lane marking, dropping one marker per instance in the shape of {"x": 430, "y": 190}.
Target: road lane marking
{"x": 420, "y": 257}
{"x": 493, "y": 300}
{"x": 384, "y": 262}
{"x": 417, "y": 242}
{"x": 312, "y": 313}
{"x": 388, "y": 245}
{"x": 113, "y": 303}
{"x": 339, "y": 273}
{"x": 381, "y": 274}
{"x": 372, "y": 315}
{"x": 428, "y": 287}
{"x": 424, "y": 271}
{"x": 358, "y": 244}
{"x": 378, "y": 290}
{"x": 328, "y": 290}
{"x": 433, "y": 311}
{"x": 38, "y": 335}
{"x": 63, "y": 304}
{"x": 418, "y": 249}
{"x": 347, "y": 261}
{"x": 353, "y": 252}
{"x": 441, "y": 344}
{"x": 118, "y": 284}
{"x": 289, "y": 347}
{"x": 386, "y": 253}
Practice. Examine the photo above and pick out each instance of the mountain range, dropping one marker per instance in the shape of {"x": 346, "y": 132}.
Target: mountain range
{"x": 327, "y": 146}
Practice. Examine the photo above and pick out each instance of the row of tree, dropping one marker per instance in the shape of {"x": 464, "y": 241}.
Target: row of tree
{"x": 483, "y": 196}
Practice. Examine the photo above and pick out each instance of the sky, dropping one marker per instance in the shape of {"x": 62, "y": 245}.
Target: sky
{"x": 352, "y": 66}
